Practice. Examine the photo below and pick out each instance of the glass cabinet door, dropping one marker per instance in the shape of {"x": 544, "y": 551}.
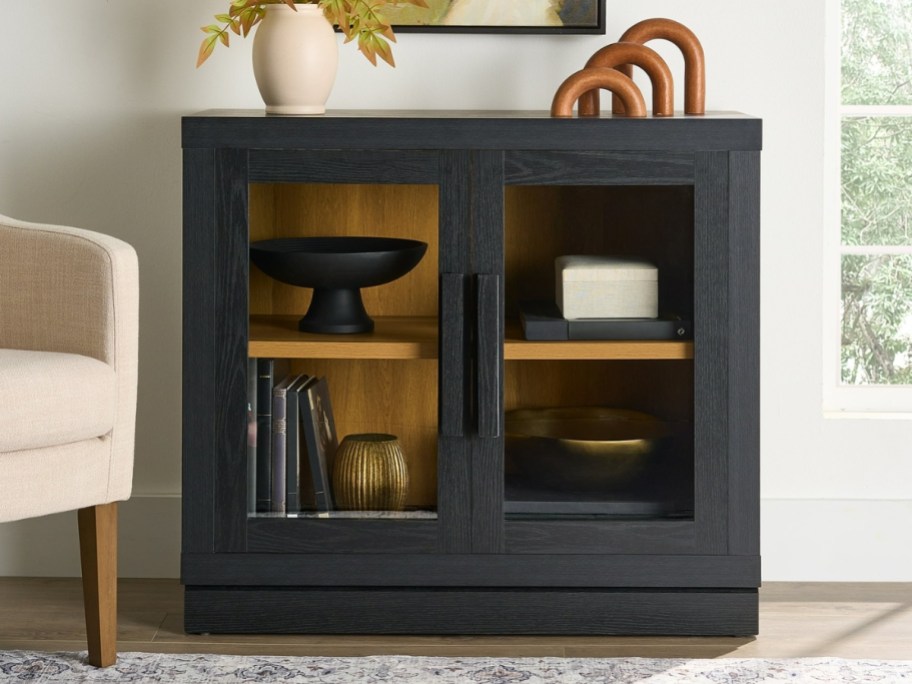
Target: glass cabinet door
{"x": 350, "y": 457}
{"x": 599, "y": 403}
{"x": 377, "y": 382}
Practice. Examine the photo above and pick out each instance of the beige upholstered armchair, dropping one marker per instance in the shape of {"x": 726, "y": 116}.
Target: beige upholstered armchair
{"x": 69, "y": 306}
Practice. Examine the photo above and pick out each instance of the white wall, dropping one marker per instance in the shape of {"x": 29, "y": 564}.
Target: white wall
{"x": 90, "y": 103}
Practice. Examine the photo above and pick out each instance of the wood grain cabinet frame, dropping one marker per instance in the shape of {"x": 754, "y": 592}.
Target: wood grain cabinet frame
{"x": 497, "y": 196}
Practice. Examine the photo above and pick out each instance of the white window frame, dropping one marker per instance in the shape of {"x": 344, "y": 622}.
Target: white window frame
{"x": 839, "y": 400}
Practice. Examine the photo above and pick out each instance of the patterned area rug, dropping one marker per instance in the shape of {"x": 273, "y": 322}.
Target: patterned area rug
{"x": 31, "y": 666}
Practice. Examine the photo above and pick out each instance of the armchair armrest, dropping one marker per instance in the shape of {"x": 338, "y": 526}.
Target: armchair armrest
{"x": 76, "y": 291}
{"x": 67, "y": 290}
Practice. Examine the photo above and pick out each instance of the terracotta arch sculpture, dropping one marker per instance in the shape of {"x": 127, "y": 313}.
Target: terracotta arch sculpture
{"x": 585, "y": 80}
{"x": 619, "y": 54}
{"x": 688, "y": 43}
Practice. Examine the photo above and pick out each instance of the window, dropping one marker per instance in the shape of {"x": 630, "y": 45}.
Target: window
{"x": 875, "y": 171}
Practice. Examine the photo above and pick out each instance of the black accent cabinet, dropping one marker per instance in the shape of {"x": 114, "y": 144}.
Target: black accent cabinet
{"x": 484, "y": 546}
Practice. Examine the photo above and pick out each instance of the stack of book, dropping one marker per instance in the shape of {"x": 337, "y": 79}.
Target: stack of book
{"x": 291, "y": 440}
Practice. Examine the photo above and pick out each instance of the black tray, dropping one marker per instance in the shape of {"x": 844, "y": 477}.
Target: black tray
{"x": 542, "y": 321}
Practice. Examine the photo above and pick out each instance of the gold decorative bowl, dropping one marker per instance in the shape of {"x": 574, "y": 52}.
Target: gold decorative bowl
{"x": 590, "y": 447}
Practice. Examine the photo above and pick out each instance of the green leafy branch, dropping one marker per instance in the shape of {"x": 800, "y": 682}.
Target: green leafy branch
{"x": 361, "y": 19}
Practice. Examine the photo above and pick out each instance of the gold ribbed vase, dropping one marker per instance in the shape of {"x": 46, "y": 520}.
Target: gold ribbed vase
{"x": 369, "y": 474}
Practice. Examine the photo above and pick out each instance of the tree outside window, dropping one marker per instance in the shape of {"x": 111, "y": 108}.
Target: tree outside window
{"x": 876, "y": 243}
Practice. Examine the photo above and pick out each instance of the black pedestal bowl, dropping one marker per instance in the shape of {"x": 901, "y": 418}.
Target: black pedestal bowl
{"x": 337, "y": 268}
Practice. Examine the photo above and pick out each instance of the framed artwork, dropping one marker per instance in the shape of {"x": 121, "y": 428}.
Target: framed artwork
{"x": 501, "y": 16}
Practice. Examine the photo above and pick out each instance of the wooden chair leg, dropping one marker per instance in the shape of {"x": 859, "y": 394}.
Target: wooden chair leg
{"x": 98, "y": 551}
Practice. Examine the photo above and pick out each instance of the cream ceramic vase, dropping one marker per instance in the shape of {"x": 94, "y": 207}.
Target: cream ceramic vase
{"x": 295, "y": 55}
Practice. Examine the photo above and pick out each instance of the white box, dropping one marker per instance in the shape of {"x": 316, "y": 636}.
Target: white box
{"x": 606, "y": 287}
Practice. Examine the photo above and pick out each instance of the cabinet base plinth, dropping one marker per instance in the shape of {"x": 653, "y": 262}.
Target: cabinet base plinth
{"x": 297, "y": 610}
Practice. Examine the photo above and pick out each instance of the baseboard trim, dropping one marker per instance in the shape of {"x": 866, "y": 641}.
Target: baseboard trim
{"x": 148, "y": 542}
{"x": 835, "y": 540}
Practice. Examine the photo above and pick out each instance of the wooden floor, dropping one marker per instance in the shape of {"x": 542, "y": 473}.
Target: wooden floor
{"x": 796, "y": 620}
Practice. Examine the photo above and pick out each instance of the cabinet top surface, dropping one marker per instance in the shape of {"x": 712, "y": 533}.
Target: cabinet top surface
{"x": 441, "y": 114}
{"x": 468, "y": 129}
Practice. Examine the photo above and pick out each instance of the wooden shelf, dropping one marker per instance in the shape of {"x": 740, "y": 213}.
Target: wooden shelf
{"x": 402, "y": 337}
{"x": 516, "y": 348}
{"x": 394, "y": 337}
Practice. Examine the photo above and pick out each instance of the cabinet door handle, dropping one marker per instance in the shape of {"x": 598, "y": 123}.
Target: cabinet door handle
{"x": 453, "y": 367}
{"x": 489, "y": 334}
